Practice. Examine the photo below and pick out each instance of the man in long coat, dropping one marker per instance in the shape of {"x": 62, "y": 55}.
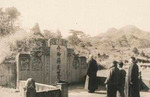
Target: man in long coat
{"x": 132, "y": 80}
{"x": 121, "y": 80}
{"x": 112, "y": 80}
{"x": 92, "y": 72}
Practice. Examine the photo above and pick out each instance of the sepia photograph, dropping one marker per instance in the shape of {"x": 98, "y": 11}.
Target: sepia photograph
{"x": 74, "y": 48}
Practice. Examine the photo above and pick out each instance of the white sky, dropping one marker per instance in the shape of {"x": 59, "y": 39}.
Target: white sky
{"x": 90, "y": 16}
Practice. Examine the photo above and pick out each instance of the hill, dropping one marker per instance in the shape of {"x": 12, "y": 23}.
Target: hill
{"x": 128, "y": 36}
{"x": 116, "y": 44}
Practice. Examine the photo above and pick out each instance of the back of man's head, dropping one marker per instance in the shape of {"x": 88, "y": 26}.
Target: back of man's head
{"x": 133, "y": 59}
{"x": 115, "y": 63}
{"x": 121, "y": 64}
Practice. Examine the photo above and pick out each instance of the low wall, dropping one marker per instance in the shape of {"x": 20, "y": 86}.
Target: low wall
{"x": 101, "y": 81}
{"x": 43, "y": 90}
{"x": 50, "y": 93}
{"x": 39, "y": 86}
{"x": 144, "y": 83}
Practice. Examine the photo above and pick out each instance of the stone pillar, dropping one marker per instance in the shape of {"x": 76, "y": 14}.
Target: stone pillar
{"x": 30, "y": 89}
{"x": 64, "y": 89}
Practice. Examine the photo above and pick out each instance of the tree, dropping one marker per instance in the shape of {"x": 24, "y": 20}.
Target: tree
{"x": 48, "y": 34}
{"x": 5, "y": 24}
{"x": 8, "y": 18}
{"x": 74, "y": 38}
{"x": 77, "y": 33}
{"x": 13, "y": 14}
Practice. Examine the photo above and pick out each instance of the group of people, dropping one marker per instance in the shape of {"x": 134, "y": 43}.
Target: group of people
{"x": 127, "y": 86}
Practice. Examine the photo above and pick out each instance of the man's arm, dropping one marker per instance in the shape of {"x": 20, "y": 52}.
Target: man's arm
{"x": 108, "y": 77}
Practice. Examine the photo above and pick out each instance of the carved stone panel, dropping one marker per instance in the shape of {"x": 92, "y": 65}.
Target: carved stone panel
{"x": 76, "y": 62}
{"x": 70, "y": 52}
{"x": 83, "y": 62}
{"x": 38, "y": 45}
{"x": 36, "y": 64}
{"x": 24, "y": 62}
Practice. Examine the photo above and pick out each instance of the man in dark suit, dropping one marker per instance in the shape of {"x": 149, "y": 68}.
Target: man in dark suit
{"x": 112, "y": 80}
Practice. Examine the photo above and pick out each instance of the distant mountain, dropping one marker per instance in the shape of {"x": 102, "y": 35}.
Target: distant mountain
{"x": 127, "y": 36}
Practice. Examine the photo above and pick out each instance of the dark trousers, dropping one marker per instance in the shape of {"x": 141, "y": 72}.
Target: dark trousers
{"x": 121, "y": 91}
{"x": 111, "y": 90}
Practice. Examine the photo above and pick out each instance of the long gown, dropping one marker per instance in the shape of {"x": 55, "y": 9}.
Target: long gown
{"x": 132, "y": 85}
{"x": 92, "y": 71}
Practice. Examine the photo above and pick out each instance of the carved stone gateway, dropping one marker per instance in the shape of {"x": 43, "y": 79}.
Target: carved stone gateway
{"x": 50, "y": 63}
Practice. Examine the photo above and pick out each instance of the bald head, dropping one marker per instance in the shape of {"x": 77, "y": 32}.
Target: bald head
{"x": 91, "y": 56}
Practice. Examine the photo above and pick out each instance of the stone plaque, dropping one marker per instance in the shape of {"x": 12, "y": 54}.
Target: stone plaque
{"x": 36, "y": 64}
{"x": 76, "y": 63}
{"x": 24, "y": 64}
{"x": 83, "y": 62}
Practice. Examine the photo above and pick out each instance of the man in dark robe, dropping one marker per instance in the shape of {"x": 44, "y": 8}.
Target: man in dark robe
{"x": 112, "y": 80}
{"x": 132, "y": 80}
{"x": 92, "y": 72}
{"x": 121, "y": 80}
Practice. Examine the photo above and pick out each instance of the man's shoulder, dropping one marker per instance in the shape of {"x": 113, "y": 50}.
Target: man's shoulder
{"x": 122, "y": 70}
{"x": 114, "y": 69}
{"x": 94, "y": 60}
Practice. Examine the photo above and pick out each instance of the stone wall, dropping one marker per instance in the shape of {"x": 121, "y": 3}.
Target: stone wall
{"x": 8, "y": 75}
{"x": 44, "y": 61}
{"x": 28, "y": 89}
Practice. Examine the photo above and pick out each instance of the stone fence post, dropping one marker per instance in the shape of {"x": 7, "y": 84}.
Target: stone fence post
{"x": 30, "y": 89}
{"x": 64, "y": 89}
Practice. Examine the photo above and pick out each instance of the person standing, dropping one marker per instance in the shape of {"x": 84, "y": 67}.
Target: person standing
{"x": 122, "y": 78}
{"x": 112, "y": 80}
{"x": 132, "y": 79}
{"x": 92, "y": 72}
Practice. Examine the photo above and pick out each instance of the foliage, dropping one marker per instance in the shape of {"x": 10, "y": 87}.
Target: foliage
{"x": 12, "y": 12}
{"x": 58, "y": 34}
{"x": 48, "y": 34}
{"x": 74, "y": 39}
{"x": 8, "y": 18}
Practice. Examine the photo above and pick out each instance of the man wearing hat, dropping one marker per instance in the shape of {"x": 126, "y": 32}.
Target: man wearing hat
{"x": 112, "y": 80}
